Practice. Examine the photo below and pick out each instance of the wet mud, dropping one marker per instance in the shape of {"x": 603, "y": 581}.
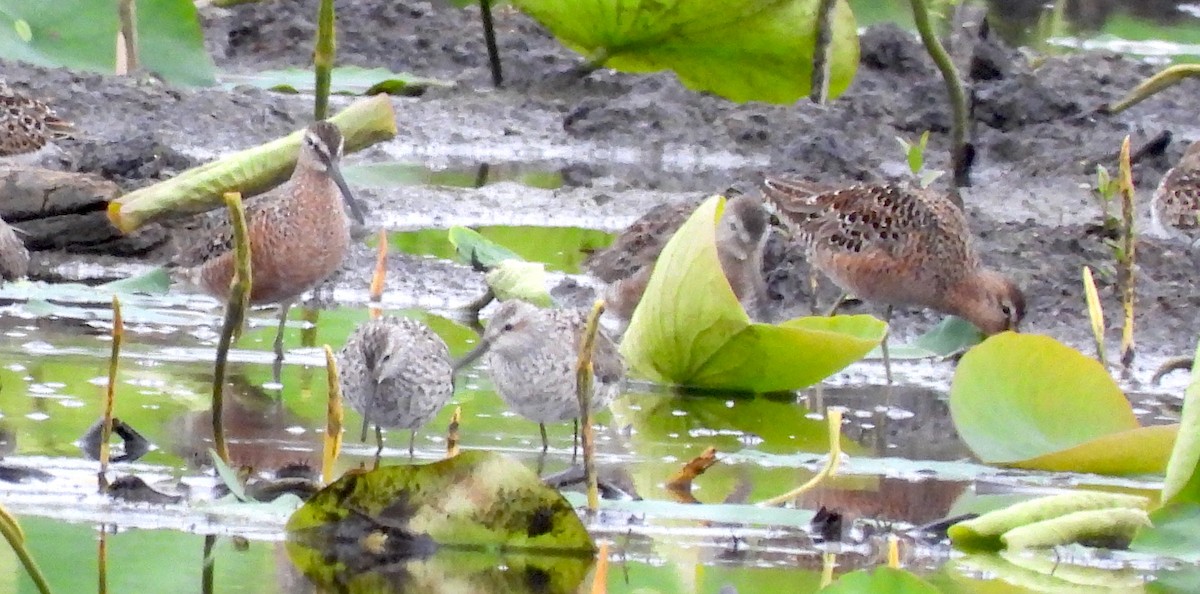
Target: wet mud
{"x": 624, "y": 143}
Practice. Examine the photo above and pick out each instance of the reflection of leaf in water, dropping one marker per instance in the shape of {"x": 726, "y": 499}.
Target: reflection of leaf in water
{"x": 881, "y": 580}
{"x": 474, "y": 501}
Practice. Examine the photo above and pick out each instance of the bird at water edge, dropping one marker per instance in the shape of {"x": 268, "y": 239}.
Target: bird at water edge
{"x": 1175, "y": 207}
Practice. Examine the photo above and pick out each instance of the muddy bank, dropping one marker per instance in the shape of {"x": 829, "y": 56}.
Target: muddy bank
{"x": 624, "y": 143}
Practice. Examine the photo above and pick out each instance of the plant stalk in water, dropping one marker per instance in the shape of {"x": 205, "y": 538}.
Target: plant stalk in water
{"x": 1127, "y": 256}
{"x": 959, "y": 158}
{"x": 489, "y": 38}
{"x": 1095, "y": 313}
{"x": 452, "y": 433}
{"x": 333, "y": 418}
{"x": 834, "y": 416}
{"x": 110, "y": 393}
{"x": 235, "y": 316}
{"x": 323, "y": 57}
{"x": 583, "y": 385}
{"x": 16, "y": 539}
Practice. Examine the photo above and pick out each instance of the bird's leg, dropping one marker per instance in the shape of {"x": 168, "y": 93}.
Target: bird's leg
{"x": 838, "y": 303}
{"x": 575, "y": 443}
{"x": 812, "y": 290}
{"x": 366, "y": 423}
{"x": 545, "y": 442}
{"x": 277, "y": 367}
{"x": 883, "y": 346}
{"x": 378, "y": 445}
{"x": 412, "y": 440}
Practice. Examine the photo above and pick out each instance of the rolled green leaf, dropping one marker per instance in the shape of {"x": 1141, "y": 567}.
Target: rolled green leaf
{"x": 518, "y": 279}
{"x": 1113, "y": 527}
{"x": 985, "y": 532}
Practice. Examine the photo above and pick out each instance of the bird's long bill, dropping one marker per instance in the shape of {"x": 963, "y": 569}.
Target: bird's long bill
{"x": 335, "y": 172}
{"x": 472, "y": 356}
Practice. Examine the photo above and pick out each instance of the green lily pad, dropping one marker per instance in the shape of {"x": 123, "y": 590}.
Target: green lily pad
{"x": 344, "y": 80}
{"x": 477, "y": 500}
{"x": 689, "y": 328}
{"x": 82, "y": 34}
{"x": 473, "y": 248}
{"x": 155, "y": 282}
{"x": 1182, "y": 482}
{"x": 951, "y": 336}
{"x": 881, "y": 580}
{"x": 743, "y": 50}
{"x": 1175, "y": 533}
{"x": 1030, "y": 401}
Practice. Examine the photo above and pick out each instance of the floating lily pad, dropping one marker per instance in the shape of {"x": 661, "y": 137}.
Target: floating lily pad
{"x": 477, "y": 500}
{"x": 345, "y": 80}
{"x": 1030, "y": 401}
{"x": 689, "y": 328}
{"x": 743, "y": 50}
{"x": 473, "y": 248}
{"x": 81, "y": 34}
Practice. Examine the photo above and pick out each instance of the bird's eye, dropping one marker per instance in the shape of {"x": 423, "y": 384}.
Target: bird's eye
{"x": 508, "y": 327}
{"x": 1007, "y": 310}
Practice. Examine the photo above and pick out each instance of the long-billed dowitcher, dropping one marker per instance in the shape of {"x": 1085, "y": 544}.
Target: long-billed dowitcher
{"x": 741, "y": 236}
{"x": 397, "y": 373}
{"x": 1175, "y": 208}
{"x": 531, "y": 355}
{"x": 898, "y": 246}
{"x": 26, "y": 124}
{"x": 14, "y": 258}
{"x": 299, "y": 233}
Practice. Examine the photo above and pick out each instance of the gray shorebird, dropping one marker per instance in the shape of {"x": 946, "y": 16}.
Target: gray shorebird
{"x": 14, "y": 257}
{"x": 1175, "y": 208}
{"x": 531, "y": 355}
{"x": 741, "y": 236}
{"x": 897, "y": 246}
{"x": 299, "y": 233}
{"x": 397, "y": 373}
{"x": 26, "y": 124}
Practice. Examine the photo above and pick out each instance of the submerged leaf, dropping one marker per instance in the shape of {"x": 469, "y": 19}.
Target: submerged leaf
{"x": 474, "y": 501}
{"x": 1030, "y": 401}
{"x": 689, "y": 328}
{"x": 345, "y": 80}
{"x": 743, "y": 50}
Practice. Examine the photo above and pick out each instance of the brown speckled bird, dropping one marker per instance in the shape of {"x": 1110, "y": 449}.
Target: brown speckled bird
{"x": 741, "y": 235}
{"x": 26, "y": 124}
{"x": 14, "y": 258}
{"x": 898, "y": 246}
{"x": 397, "y": 373}
{"x": 531, "y": 355}
{"x": 1175, "y": 208}
{"x": 299, "y": 233}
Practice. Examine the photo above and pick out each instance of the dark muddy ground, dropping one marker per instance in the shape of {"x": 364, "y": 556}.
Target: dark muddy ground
{"x": 625, "y": 142}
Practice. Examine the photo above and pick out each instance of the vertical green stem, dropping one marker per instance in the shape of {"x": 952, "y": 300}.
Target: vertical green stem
{"x": 819, "y": 89}
{"x": 959, "y": 159}
{"x": 1127, "y": 255}
{"x": 323, "y": 55}
{"x": 583, "y": 387}
{"x": 110, "y": 393}
{"x": 235, "y": 315}
{"x": 489, "y": 38}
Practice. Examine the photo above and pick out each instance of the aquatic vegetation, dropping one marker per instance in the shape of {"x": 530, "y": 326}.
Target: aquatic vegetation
{"x": 689, "y": 328}
{"x": 343, "y": 80}
{"x": 914, "y": 153}
{"x": 508, "y": 275}
{"x": 1054, "y": 520}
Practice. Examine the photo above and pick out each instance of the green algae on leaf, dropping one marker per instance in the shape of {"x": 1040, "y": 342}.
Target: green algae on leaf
{"x": 992, "y": 530}
{"x": 1029, "y": 401}
{"x": 743, "y": 50}
{"x": 689, "y": 328}
{"x": 480, "y": 501}
{"x": 79, "y": 34}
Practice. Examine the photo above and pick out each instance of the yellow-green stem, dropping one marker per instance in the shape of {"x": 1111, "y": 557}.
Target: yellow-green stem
{"x": 834, "y": 415}
{"x": 102, "y": 561}
{"x": 16, "y": 539}
{"x": 1129, "y": 247}
{"x": 333, "y": 418}
{"x": 110, "y": 392}
{"x": 583, "y": 386}
{"x": 235, "y": 316}
{"x": 1164, "y": 79}
{"x": 1095, "y": 313}
{"x": 323, "y": 57}
{"x": 954, "y": 91}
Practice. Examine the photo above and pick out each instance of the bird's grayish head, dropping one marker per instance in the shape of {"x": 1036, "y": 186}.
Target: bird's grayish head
{"x": 321, "y": 146}
{"x": 509, "y": 332}
{"x": 743, "y": 226}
